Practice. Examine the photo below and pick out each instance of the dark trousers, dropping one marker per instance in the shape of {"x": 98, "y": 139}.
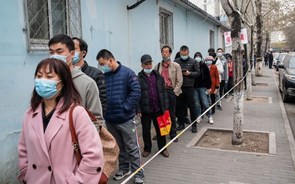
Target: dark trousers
{"x": 146, "y": 119}
{"x": 172, "y": 106}
{"x": 212, "y": 96}
{"x": 230, "y": 84}
{"x": 222, "y": 88}
{"x": 186, "y": 99}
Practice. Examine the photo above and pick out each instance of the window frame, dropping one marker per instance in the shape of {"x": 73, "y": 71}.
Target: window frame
{"x": 211, "y": 38}
{"x": 169, "y": 15}
{"x": 35, "y": 44}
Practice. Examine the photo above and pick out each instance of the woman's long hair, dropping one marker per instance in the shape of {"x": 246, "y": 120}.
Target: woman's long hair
{"x": 68, "y": 93}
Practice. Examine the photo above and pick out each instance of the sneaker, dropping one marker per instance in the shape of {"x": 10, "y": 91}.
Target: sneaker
{"x": 138, "y": 181}
{"x": 199, "y": 120}
{"x": 121, "y": 174}
{"x": 210, "y": 120}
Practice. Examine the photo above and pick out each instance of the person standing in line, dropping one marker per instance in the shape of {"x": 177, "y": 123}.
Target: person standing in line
{"x": 123, "y": 94}
{"x": 190, "y": 71}
{"x": 81, "y": 49}
{"x": 45, "y": 148}
{"x": 270, "y": 60}
{"x": 171, "y": 72}
{"x": 62, "y": 47}
{"x": 230, "y": 65}
{"x": 214, "y": 80}
{"x": 153, "y": 103}
{"x": 203, "y": 88}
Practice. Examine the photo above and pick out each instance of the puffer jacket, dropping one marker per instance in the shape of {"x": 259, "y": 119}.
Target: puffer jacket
{"x": 123, "y": 94}
{"x": 144, "y": 102}
{"x": 98, "y": 77}
{"x": 193, "y": 67}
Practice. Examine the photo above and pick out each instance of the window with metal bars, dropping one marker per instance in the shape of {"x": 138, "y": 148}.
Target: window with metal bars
{"x": 46, "y": 18}
{"x": 166, "y": 28}
{"x": 211, "y": 39}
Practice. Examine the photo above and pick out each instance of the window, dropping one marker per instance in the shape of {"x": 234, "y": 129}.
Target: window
{"x": 211, "y": 39}
{"x": 166, "y": 28}
{"x": 46, "y": 18}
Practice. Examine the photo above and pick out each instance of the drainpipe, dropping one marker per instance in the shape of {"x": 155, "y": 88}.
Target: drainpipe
{"x": 135, "y": 5}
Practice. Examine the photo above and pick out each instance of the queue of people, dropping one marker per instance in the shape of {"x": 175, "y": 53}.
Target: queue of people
{"x": 115, "y": 95}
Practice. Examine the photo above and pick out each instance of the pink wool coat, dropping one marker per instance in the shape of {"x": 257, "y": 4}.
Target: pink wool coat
{"x": 49, "y": 157}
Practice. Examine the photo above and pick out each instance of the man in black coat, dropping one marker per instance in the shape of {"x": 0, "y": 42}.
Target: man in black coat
{"x": 96, "y": 74}
{"x": 153, "y": 103}
{"x": 190, "y": 71}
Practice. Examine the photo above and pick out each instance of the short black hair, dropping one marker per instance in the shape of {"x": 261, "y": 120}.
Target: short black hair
{"x": 198, "y": 54}
{"x": 105, "y": 54}
{"x": 82, "y": 44}
{"x": 166, "y": 46}
{"x": 219, "y": 49}
{"x": 210, "y": 50}
{"x": 183, "y": 48}
{"x": 213, "y": 54}
{"x": 64, "y": 39}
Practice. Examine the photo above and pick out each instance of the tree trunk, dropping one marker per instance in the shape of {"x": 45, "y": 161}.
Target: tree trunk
{"x": 236, "y": 24}
{"x": 259, "y": 23}
{"x": 252, "y": 59}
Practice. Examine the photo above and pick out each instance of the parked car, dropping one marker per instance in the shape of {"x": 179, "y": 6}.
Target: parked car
{"x": 275, "y": 60}
{"x": 279, "y": 60}
{"x": 287, "y": 77}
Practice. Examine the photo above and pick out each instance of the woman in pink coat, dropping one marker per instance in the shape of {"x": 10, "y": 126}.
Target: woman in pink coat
{"x": 45, "y": 149}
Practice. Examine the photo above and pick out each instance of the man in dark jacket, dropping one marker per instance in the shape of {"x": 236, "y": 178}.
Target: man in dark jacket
{"x": 153, "y": 103}
{"x": 123, "y": 94}
{"x": 81, "y": 49}
{"x": 190, "y": 71}
{"x": 203, "y": 88}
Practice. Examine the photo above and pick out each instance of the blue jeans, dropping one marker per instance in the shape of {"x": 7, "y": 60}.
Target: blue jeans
{"x": 202, "y": 100}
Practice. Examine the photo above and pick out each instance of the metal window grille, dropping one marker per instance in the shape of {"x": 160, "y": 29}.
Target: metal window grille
{"x": 211, "y": 39}
{"x": 46, "y": 18}
{"x": 166, "y": 28}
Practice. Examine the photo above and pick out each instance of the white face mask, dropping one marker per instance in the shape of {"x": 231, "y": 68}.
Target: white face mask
{"x": 59, "y": 57}
{"x": 219, "y": 54}
{"x": 198, "y": 59}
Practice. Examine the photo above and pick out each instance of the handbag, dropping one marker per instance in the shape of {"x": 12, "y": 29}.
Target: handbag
{"x": 164, "y": 122}
{"x": 109, "y": 145}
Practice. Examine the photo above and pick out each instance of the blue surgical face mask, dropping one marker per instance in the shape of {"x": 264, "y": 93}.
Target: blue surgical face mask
{"x": 184, "y": 57}
{"x": 209, "y": 62}
{"x": 198, "y": 59}
{"x": 148, "y": 71}
{"x": 105, "y": 68}
{"x": 76, "y": 58}
{"x": 59, "y": 57}
{"x": 46, "y": 88}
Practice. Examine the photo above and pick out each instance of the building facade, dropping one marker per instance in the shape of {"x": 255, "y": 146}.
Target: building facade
{"x": 127, "y": 28}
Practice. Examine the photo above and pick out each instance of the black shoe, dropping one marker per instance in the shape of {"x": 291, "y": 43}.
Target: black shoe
{"x": 154, "y": 138}
{"x": 176, "y": 140}
{"x": 194, "y": 129}
{"x": 180, "y": 127}
{"x": 219, "y": 107}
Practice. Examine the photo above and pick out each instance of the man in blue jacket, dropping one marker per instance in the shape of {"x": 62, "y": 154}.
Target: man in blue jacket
{"x": 123, "y": 94}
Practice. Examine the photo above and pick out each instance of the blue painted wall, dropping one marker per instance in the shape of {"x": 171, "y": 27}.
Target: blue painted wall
{"x": 105, "y": 24}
